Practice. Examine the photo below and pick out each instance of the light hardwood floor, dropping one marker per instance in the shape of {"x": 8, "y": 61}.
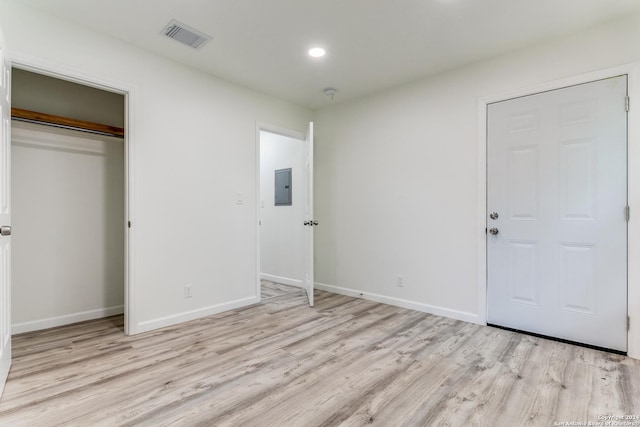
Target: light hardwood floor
{"x": 346, "y": 361}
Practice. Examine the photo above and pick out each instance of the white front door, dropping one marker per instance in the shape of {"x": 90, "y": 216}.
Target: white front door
{"x": 309, "y": 221}
{"x": 5, "y": 216}
{"x": 556, "y": 220}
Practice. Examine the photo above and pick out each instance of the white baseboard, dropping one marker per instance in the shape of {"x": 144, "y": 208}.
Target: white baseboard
{"x": 398, "y": 302}
{"x": 67, "y": 319}
{"x": 284, "y": 280}
{"x": 186, "y": 316}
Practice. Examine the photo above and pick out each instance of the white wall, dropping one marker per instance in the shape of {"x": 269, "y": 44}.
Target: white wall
{"x": 397, "y": 174}
{"x": 68, "y": 217}
{"x": 281, "y": 230}
{"x": 195, "y": 148}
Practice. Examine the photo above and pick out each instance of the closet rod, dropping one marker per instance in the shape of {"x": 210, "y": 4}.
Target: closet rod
{"x": 65, "y": 123}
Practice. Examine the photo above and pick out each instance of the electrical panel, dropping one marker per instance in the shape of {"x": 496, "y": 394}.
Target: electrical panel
{"x": 283, "y": 193}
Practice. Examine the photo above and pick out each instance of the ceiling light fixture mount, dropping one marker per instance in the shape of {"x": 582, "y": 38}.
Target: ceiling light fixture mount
{"x": 317, "y": 52}
{"x": 330, "y": 92}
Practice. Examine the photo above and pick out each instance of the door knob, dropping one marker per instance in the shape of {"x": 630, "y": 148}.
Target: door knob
{"x": 494, "y": 215}
{"x": 494, "y": 231}
{"x": 307, "y": 223}
{"x": 5, "y": 230}
{"x": 314, "y": 223}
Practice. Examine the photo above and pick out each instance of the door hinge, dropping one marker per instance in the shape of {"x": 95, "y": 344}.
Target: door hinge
{"x": 628, "y": 323}
{"x": 129, "y": 224}
{"x": 627, "y": 103}
{"x": 627, "y": 213}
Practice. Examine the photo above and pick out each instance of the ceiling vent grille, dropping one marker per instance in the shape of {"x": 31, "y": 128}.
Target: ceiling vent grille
{"x": 184, "y": 34}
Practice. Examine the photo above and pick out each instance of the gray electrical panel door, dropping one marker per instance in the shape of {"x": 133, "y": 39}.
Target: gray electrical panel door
{"x": 283, "y": 187}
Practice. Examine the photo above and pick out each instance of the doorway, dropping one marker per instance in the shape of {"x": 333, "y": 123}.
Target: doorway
{"x": 285, "y": 208}
{"x": 73, "y": 182}
{"x": 556, "y": 213}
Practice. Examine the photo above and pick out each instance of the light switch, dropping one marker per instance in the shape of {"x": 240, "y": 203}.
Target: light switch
{"x": 239, "y": 198}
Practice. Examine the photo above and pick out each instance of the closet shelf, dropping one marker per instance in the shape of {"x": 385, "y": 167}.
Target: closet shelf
{"x": 64, "y": 122}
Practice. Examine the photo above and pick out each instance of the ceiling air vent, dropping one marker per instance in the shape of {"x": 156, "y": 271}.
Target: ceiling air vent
{"x": 185, "y": 34}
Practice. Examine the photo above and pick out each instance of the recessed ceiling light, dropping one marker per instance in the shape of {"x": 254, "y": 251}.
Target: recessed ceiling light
{"x": 317, "y": 52}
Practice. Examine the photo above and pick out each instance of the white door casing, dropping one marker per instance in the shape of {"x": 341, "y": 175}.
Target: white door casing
{"x": 556, "y": 176}
{"x": 59, "y": 71}
{"x": 309, "y": 222}
{"x": 5, "y": 216}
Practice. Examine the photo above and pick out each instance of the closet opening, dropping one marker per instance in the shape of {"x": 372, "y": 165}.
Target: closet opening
{"x": 68, "y": 194}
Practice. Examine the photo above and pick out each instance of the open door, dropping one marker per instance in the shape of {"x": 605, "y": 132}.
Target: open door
{"x": 5, "y": 216}
{"x": 309, "y": 222}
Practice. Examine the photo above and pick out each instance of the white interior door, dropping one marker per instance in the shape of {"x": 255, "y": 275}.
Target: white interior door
{"x": 556, "y": 200}
{"x": 5, "y": 217}
{"x": 309, "y": 221}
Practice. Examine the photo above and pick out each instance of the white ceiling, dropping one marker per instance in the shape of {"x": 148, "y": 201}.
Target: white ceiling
{"x": 371, "y": 44}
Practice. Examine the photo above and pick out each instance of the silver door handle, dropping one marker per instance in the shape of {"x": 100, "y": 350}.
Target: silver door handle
{"x": 494, "y": 215}
{"x": 5, "y": 230}
{"x": 494, "y": 231}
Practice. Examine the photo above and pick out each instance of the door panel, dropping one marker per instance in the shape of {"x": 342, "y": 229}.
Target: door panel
{"x": 523, "y": 268}
{"x": 557, "y": 178}
{"x": 523, "y": 183}
{"x": 5, "y": 216}
{"x": 309, "y": 222}
{"x": 578, "y": 180}
{"x": 578, "y": 287}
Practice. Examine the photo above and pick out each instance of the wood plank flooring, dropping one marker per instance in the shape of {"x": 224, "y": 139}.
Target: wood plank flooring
{"x": 346, "y": 361}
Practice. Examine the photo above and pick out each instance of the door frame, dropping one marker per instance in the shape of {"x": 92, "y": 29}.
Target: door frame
{"x": 62, "y": 72}
{"x": 633, "y": 187}
{"x": 279, "y": 130}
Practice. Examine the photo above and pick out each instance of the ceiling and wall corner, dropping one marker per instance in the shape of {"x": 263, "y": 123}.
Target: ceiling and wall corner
{"x": 370, "y": 45}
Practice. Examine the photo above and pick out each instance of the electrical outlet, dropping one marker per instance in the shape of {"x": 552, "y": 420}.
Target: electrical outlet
{"x": 400, "y": 281}
{"x": 187, "y": 291}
